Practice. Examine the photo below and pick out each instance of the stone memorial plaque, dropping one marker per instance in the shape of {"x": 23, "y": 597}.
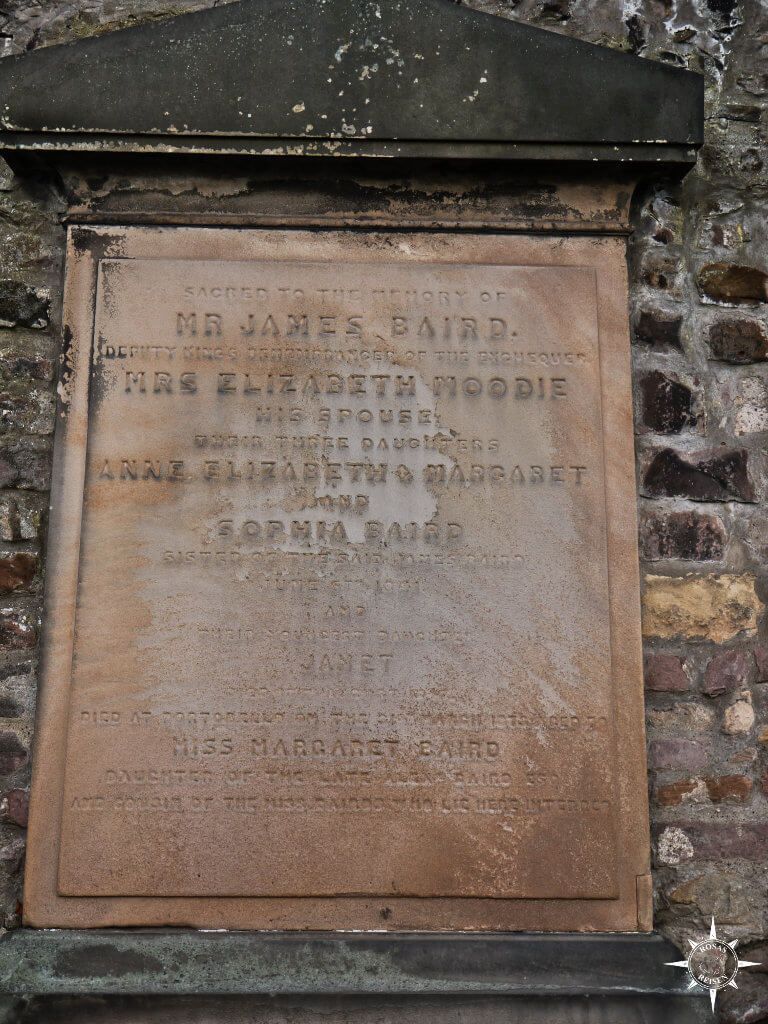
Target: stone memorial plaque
{"x": 348, "y": 593}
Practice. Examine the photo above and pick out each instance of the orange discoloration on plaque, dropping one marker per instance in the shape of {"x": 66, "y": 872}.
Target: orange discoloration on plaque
{"x": 356, "y": 592}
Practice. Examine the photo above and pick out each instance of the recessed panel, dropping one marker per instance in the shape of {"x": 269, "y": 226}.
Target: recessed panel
{"x": 342, "y": 618}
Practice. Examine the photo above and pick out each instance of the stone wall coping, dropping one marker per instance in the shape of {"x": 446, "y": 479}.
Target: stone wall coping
{"x": 181, "y": 961}
{"x": 422, "y": 78}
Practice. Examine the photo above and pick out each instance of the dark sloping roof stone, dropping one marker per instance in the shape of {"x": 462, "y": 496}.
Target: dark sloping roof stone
{"x": 349, "y": 76}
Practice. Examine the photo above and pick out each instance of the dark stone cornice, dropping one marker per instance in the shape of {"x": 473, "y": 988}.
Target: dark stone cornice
{"x": 421, "y": 78}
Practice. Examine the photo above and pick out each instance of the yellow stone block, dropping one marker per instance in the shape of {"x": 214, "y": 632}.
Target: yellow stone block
{"x": 700, "y": 607}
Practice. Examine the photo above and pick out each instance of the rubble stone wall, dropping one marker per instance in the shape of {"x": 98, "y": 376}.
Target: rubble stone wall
{"x": 699, "y": 296}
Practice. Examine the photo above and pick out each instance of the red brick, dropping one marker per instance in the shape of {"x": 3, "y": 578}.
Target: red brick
{"x": 668, "y": 404}
{"x": 658, "y": 328}
{"x": 738, "y": 341}
{"x": 17, "y": 570}
{"x": 18, "y": 806}
{"x": 728, "y": 787}
{"x": 719, "y": 474}
{"x": 684, "y": 535}
{"x": 733, "y": 283}
{"x": 16, "y": 632}
{"x": 728, "y": 670}
{"x": 673, "y": 794}
{"x": 677, "y": 753}
{"x": 664, "y": 673}
{"x": 727, "y": 841}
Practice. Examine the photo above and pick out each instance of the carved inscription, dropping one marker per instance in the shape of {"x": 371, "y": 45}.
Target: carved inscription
{"x": 343, "y": 621}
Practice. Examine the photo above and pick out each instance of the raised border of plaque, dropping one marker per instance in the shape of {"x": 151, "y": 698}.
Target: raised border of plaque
{"x": 628, "y": 908}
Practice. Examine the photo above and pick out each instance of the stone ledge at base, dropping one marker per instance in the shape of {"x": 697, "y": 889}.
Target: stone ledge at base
{"x": 374, "y": 1009}
{"x": 197, "y": 977}
{"x": 186, "y": 962}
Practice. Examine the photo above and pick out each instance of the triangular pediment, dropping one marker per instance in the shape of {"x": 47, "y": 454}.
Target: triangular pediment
{"x": 345, "y": 75}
